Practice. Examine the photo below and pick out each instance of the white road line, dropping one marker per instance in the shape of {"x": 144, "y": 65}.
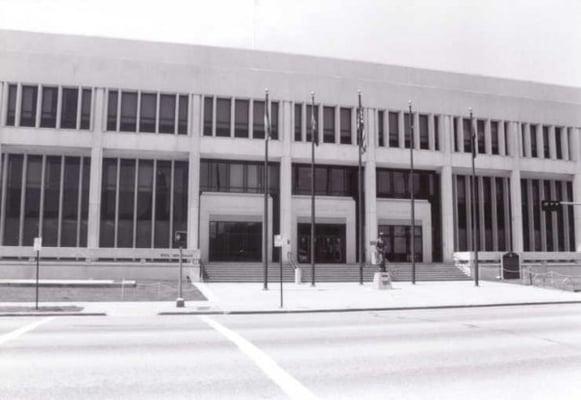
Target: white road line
{"x": 292, "y": 387}
{"x": 22, "y": 330}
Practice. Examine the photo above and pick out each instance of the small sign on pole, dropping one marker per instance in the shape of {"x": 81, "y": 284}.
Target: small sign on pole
{"x": 37, "y": 246}
{"x": 278, "y": 240}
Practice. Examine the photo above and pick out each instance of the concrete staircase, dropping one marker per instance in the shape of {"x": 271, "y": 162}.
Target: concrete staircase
{"x": 253, "y": 272}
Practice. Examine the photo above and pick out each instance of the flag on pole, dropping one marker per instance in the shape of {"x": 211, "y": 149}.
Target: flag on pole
{"x": 314, "y": 132}
{"x": 266, "y": 118}
{"x": 362, "y": 137}
{"x": 473, "y": 135}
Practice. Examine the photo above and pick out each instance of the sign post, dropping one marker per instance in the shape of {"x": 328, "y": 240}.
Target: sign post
{"x": 278, "y": 242}
{"x": 180, "y": 241}
{"x": 37, "y": 246}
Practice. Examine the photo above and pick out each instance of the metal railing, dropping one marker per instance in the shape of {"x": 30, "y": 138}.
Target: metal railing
{"x": 550, "y": 279}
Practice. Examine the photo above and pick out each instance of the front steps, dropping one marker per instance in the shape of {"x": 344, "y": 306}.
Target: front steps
{"x": 254, "y": 272}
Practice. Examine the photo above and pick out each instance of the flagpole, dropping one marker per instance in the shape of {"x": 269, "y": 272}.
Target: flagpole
{"x": 412, "y": 199}
{"x": 265, "y": 227}
{"x": 360, "y": 188}
{"x": 474, "y": 201}
{"x": 313, "y": 138}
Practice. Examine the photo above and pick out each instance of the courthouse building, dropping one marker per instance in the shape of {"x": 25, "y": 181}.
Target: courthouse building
{"x": 116, "y": 144}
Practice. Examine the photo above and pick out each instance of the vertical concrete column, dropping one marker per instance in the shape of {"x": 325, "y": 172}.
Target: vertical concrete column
{"x": 370, "y": 182}
{"x": 575, "y": 149}
{"x": 446, "y": 193}
{"x": 401, "y": 129}
{"x": 527, "y": 147}
{"x": 416, "y": 118}
{"x": 502, "y": 149}
{"x": 195, "y": 115}
{"x": 515, "y": 189}
{"x": 552, "y": 143}
{"x": 487, "y": 137}
{"x": 286, "y": 179}
{"x": 94, "y": 220}
{"x": 431, "y": 132}
{"x": 565, "y": 143}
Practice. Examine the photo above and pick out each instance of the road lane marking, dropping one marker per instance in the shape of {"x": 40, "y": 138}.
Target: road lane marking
{"x": 22, "y": 330}
{"x": 292, "y": 387}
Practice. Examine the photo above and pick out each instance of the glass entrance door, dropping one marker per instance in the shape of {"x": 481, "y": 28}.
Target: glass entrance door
{"x": 329, "y": 243}
{"x": 235, "y": 241}
{"x": 398, "y": 242}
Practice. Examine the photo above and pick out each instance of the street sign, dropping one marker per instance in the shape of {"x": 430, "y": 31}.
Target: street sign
{"x": 37, "y": 246}
{"x": 181, "y": 239}
{"x": 551, "y": 205}
{"x": 278, "y": 240}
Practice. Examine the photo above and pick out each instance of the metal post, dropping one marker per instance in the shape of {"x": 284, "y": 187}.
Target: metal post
{"x": 474, "y": 202}
{"x": 280, "y": 265}
{"x": 313, "y": 138}
{"x": 180, "y": 300}
{"x": 265, "y": 228}
{"x": 37, "y": 276}
{"x": 360, "y": 188}
{"x": 412, "y": 200}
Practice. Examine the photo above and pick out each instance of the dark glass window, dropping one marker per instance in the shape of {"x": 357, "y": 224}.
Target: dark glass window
{"x": 393, "y": 129}
{"x": 144, "y": 203}
{"x": 455, "y": 122}
{"x": 558, "y": 144}
{"x": 49, "y": 107}
{"x": 28, "y": 106}
{"x": 128, "y": 112}
{"x": 85, "y": 200}
{"x": 11, "y": 105}
{"x": 437, "y": 132}
{"x": 69, "y": 108}
{"x": 546, "y": 143}
{"x": 274, "y": 120}
{"x": 180, "y": 199}
{"x": 548, "y": 215}
{"x": 506, "y": 137}
{"x": 162, "y": 204}
{"x": 147, "y": 112}
{"x": 501, "y": 213}
{"x": 126, "y": 203}
{"x": 424, "y": 135}
{"x": 241, "y": 118}
{"x": 235, "y": 241}
{"x": 52, "y": 184}
{"x": 223, "y": 117}
{"x": 167, "y": 113}
{"x": 32, "y": 200}
{"x": 408, "y": 124}
{"x": 560, "y": 218}
{"x": 86, "y": 109}
{"x": 13, "y": 195}
{"x": 480, "y": 127}
{"x": 487, "y": 190}
{"x": 380, "y": 128}
{"x": 310, "y": 123}
{"x": 571, "y": 219}
{"x": 462, "y": 220}
{"x": 70, "y": 210}
{"x": 330, "y": 180}
{"x": 525, "y": 215}
{"x": 467, "y": 135}
{"x": 208, "y": 115}
{"x": 329, "y": 124}
{"x": 345, "y": 125}
{"x": 109, "y": 184}
{"x": 183, "y": 115}
{"x": 298, "y": 122}
{"x": 258, "y": 119}
{"x": 494, "y": 137}
{"x": 533, "y": 133}
{"x": 112, "y": 110}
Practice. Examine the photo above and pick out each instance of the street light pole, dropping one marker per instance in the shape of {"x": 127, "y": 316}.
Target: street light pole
{"x": 474, "y": 202}
{"x": 265, "y": 227}
{"x": 313, "y": 139}
{"x": 360, "y": 188}
{"x": 412, "y": 199}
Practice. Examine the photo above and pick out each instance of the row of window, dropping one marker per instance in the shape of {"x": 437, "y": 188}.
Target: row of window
{"x": 143, "y": 202}
{"x": 45, "y": 196}
{"x": 237, "y": 176}
{"x": 497, "y": 131}
{"x": 240, "y": 118}
{"x": 542, "y": 141}
{"x": 149, "y": 112}
{"x": 395, "y": 130}
{"x": 337, "y": 126}
{"x": 41, "y": 106}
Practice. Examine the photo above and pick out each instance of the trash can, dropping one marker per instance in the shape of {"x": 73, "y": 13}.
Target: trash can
{"x": 510, "y": 266}
{"x": 298, "y": 275}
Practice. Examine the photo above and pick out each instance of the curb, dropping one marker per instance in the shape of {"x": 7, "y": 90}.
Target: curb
{"x": 336, "y": 310}
{"x": 53, "y": 314}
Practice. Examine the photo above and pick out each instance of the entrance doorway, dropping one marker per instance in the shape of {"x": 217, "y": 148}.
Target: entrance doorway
{"x": 235, "y": 241}
{"x": 398, "y": 243}
{"x": 329, "y": 243}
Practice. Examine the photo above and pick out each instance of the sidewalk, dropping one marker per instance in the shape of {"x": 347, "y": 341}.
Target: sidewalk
{"x": 234, "y": 298}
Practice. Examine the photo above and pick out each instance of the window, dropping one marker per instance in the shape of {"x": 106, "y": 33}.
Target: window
{"x": 533, "y": 136}
{"x": 86, "y": 109}
{"x": 506, "y": 139}
{"x": 241, "y": 114}
{"x": 223, "y": 117}
{"x": 144, "y": 203}
{"x": 49, "y": 107}
{"x": 69, "y": 103}
{"x": 148, "y": 112}
{"x": 345, "y": 125}
{"x": 183, "y": 115}
{"x": 310, "y": 126}
{"x": 393, "y": 129}
{"x": 11, "y": 111}
{"x": 437, "y": 132}
{"x": 298, "y": 122}
{"x": 50, "y": 223}
{"x": 408, "y": 125}
{"x": 108, "y": 187}
{"x": 494, "y": 137}
{"x": 328, "y": 124}
{"x": 126, "y": 203}
{"x": 455, "y": 122}
{"x": 208, "y": 115}
{"x": 112, "y": 110}
{"x": 70, "y": 204}
{"x": 380, "y": 130}
{"x": 128, "y": 112}
{"x": 274, "y": 120}
{"x": 162, "y": 203}
{"x": 424, "y": 135}
{"x": 480, "y": 124}
{"x": 28, "y": 106}
{"x": 546, "y": 144}
{"x": 258, "y": 119}
{"x": 167, "y": 113}
{"x": 558, "y": 144}
{"x": 467, "y": 135}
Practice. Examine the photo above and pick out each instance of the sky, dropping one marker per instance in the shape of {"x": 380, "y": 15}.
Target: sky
{"x": 532, "y": 40}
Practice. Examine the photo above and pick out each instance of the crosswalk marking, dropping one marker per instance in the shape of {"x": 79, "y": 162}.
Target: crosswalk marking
{"x": 22, "y": 330}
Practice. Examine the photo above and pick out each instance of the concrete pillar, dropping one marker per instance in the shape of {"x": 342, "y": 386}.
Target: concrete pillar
{"x": 502, "y": 149}
{"x": 370, "y": 183}
{"x": 96, "y": 173}
{"x": 447, "y": 205}
{"x": 286, "y": 178}
{"x": 552, "y": 143}
{"x": 527, "y": 148}
{"x": 487, "y": 137}
{"x": 515, "y": 208}
{"x": 195, "y": 114}
{"x": 565, "y": 143}
{"x": 576, "y": 213}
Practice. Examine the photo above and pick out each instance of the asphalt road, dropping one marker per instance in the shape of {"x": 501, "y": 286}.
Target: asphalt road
{"x": 483, "y": 353}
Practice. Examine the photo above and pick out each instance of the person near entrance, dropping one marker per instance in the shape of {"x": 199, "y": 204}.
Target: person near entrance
{"x": 381, "y": 252}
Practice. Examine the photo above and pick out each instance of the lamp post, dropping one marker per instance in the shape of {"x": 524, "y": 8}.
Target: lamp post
{"x": 474, "y": 201}
{"x": 412, "y": 199}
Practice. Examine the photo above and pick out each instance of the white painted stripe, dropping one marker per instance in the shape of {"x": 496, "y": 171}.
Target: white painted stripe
{"x": 22, "y": 330}
{"x": 292, "y": 387}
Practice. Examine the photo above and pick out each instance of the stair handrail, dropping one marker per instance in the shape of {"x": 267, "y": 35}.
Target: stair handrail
{"x": 203, "y": 272}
